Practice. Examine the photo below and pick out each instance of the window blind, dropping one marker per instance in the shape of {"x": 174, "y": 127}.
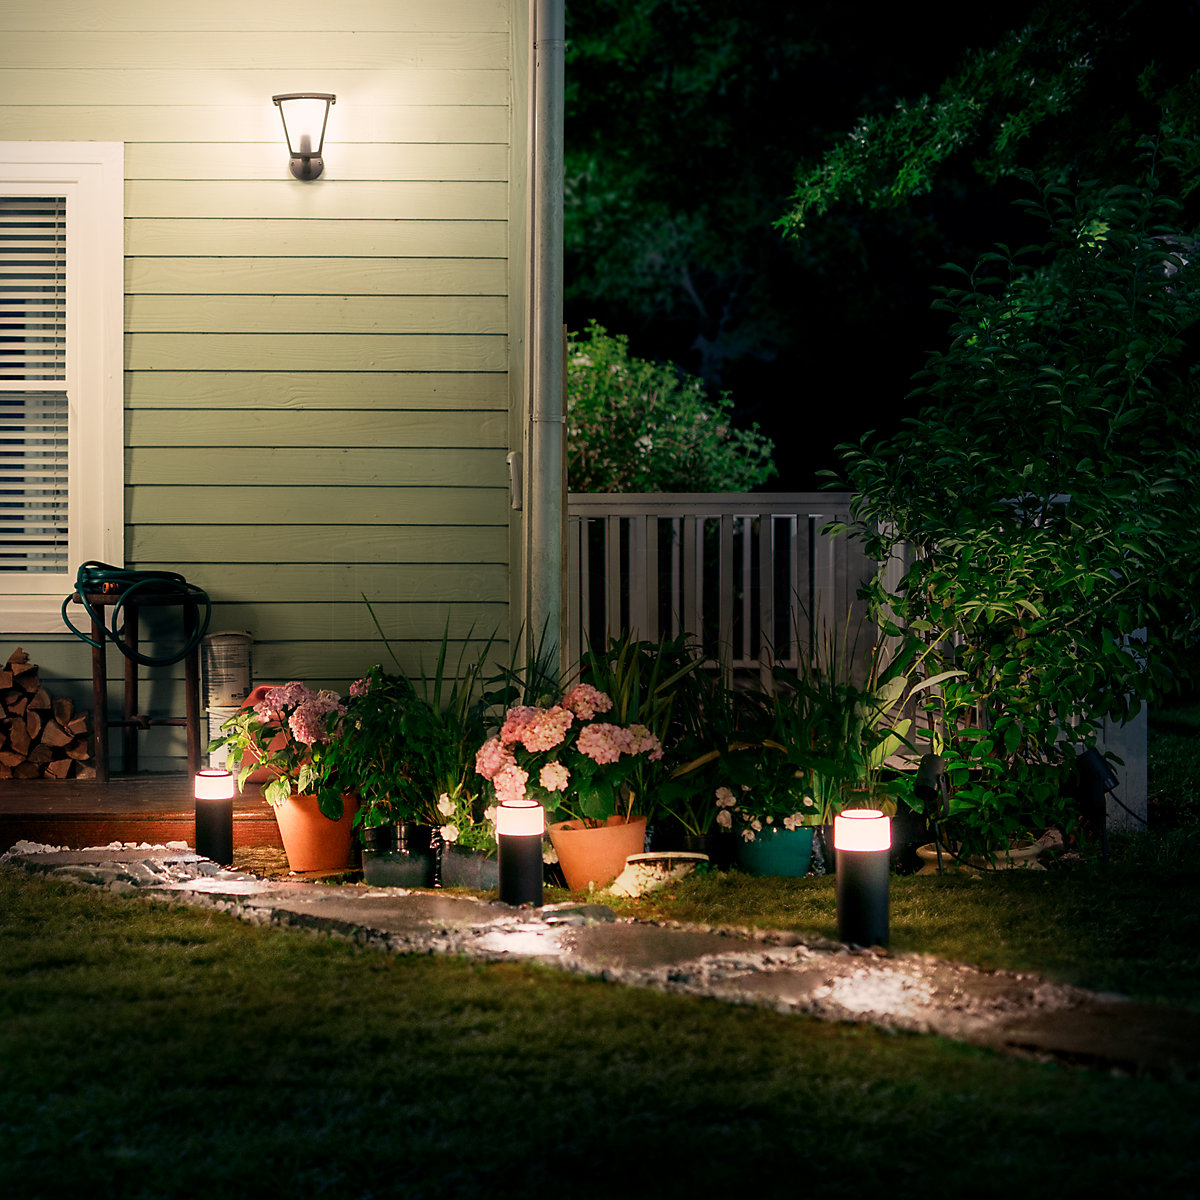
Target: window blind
{"x": 33, "y": 384}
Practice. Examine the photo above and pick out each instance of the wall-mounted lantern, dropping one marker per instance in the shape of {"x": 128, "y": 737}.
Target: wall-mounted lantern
{"x": 304, "y": 117}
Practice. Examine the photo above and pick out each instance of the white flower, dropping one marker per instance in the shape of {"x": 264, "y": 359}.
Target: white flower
{"x": 769, "y": 820}
{"x": 445, "y": 805}
{"x": 725, "y": 798}
{"x": 549, "y": 854}
{"x": 725, "y": 818}
{"x": 756, "y": 825}
{"x": 748, "y": 834}
{"x": 449, "y": 833}
{"x": 808, "y": 802}
{"x": 489, "y": 815}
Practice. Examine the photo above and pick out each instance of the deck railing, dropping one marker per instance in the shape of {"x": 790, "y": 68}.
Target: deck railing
{"x": 742, "y": 573}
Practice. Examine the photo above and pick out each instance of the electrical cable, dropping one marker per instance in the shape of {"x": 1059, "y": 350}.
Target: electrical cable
{"x": 97, "y": 578}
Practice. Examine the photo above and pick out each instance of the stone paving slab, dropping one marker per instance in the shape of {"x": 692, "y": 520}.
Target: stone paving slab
{"x": 1006, "y": 1011}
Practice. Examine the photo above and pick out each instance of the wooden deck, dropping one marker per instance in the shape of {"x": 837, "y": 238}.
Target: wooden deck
{"x": 129, "y": 808}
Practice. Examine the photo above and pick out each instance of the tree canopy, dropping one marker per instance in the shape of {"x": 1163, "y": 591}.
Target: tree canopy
{"x": 689, "y": 229}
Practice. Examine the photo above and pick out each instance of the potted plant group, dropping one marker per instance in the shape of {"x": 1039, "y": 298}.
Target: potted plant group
{"x": 468, "y": 838}
{"x": 586, "y": 771}
{"x": 287, "y": 731}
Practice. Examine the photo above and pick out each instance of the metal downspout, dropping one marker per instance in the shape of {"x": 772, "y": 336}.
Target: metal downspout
{"x": 544, "y": 540}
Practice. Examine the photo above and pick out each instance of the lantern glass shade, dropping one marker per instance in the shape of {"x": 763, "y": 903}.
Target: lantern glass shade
{"x": 862, "y": 829}
{"x": 214, "y": 783}
{"x": 520, "y": 818}
{"x": 305, "y": 115}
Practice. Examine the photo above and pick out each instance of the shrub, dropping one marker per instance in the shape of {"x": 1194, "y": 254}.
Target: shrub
{"x": 638, "y": 426}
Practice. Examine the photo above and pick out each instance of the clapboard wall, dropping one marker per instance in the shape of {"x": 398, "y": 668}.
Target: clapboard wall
{"x": 319, "y": 376}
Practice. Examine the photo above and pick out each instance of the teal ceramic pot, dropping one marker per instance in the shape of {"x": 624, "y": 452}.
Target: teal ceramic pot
{"x": 777, "y": 852}
{"x": 469, "y": 869}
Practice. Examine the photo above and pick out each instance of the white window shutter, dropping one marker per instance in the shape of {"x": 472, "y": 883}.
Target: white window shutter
{"x": 61, "y": 217}
{"x": 34, "y": 466}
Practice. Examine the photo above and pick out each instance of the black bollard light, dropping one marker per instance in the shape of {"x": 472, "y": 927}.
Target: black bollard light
{"x": 862, "y": 838}
{"x": 214, "y": 815}
{"x": 520, "y": 825}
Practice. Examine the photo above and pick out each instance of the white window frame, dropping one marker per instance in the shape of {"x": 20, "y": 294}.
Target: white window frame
{"x": 92, "y": 177}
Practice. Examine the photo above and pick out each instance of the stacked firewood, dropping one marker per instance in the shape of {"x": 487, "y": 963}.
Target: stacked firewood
{"x": 40, "y": 737}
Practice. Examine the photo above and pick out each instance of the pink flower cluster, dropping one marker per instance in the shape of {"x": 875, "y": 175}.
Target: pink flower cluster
{"x": 605, "y": 743}
{"x": 554, "y": 777}
{"x": 509, "y": 783}
{"x": 586, "y": 701}
{"x": 528, "y": 729}
{"x": 492, "y": 757}
{"x": 537, "y": 729}
{"x": 308, "y": 710}
{"x": 308, "y": 722}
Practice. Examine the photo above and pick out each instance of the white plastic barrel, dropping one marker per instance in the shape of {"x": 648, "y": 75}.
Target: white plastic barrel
{"x": 225, "y": 660}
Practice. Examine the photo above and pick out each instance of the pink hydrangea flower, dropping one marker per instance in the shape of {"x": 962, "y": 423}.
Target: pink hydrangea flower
{"x": 515, "y": 722}
{"x": 493, "y": 756}
{"x": 546, "y": 730}
{"x": 645, "y": 742}
{"x": 509, "y": 783}
{"x": 359, "y": 687}
{"x": 554, "y": 777}
{"x": 308, "y": 721}
{"x": 605, "y": 743}
{"x": 586, "y": 701}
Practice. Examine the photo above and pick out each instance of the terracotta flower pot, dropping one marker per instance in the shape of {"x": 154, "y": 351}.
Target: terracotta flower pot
{"x": 312, "y": 841}
{"x": 596, "y": 856}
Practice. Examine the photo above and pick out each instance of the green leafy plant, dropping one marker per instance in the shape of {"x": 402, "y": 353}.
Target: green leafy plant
{"x": 1039, "y": 522}
{"x": 638, "y": 426}
{"x": 644, "y": 680}
{"x": 465, "y": 821}
{"x": 402, "y": 745}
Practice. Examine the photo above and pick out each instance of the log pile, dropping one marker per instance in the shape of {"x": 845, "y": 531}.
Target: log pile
{"x": 40, "y": 737}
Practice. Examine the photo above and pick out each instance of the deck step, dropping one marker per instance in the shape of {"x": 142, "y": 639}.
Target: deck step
{"x": 155, "y": 809}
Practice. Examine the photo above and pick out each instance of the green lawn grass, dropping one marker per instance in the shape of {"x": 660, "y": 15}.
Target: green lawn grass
{"x": 1131, "y": 925}
{"x": 151, "y": 1051}
{"x": 155, "y": 1051}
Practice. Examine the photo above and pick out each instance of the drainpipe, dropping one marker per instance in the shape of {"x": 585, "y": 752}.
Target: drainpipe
{"x": 544, "y": 536}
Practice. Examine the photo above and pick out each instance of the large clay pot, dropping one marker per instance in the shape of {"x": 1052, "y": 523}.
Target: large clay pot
{"x": 312, "y": 841}
{"x": 786, "y": 852}
{"x": 1020, "y": 857}
{"x": 596, "y": 856}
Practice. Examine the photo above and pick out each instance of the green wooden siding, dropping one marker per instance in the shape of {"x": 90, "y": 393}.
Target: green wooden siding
{"x": 320, "y": 378}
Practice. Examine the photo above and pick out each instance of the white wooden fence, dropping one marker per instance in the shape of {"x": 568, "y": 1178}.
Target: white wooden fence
{"x": 741, "y": 573}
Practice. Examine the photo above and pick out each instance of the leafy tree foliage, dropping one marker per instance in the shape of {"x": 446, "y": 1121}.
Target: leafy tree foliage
{"x": 638, "y": 426}
{"x": 1048, "y": 497}
{"x": 1069, "y": 93}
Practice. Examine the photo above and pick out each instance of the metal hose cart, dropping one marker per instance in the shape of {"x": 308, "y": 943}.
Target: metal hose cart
{"x": 100, "y": 588}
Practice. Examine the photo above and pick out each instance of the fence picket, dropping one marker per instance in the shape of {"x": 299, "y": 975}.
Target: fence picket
{"x": 799, "y": 571}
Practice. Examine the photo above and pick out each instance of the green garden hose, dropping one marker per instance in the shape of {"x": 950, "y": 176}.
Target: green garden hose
{"x": 96, "y": 577}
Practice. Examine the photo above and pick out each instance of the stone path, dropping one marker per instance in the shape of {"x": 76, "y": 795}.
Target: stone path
{"x": 1005, "y": 1011}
